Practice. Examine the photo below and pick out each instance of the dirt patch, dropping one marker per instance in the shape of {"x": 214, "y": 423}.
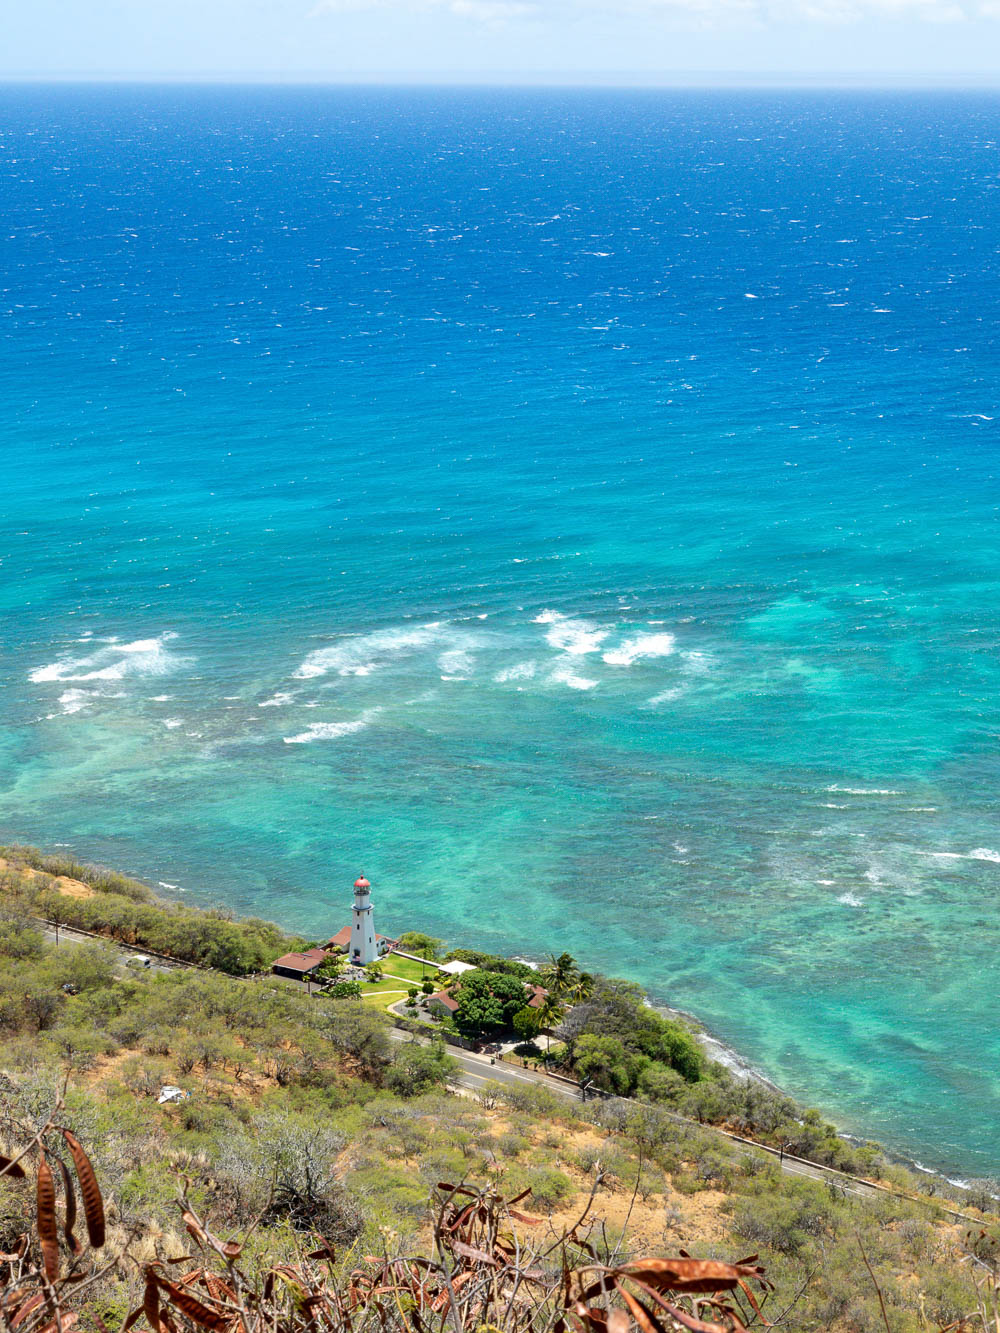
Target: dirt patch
{"x": 72, "y": 888}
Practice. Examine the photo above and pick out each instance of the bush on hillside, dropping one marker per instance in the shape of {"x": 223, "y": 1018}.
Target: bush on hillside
{"x": 418, "y": 1068}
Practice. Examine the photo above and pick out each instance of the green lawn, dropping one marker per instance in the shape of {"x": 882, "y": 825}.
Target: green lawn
{"x": 380, "y": 998}
{"x": 412, "y": 973}
{"x": 386, "y": 984}
{"x": 398, "y": 975}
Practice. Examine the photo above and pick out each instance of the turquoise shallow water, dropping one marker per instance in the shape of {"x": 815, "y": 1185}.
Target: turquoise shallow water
{"x": 577, "y": 510}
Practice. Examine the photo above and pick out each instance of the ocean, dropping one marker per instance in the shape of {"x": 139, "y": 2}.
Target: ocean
{"x": 576, "y": 510}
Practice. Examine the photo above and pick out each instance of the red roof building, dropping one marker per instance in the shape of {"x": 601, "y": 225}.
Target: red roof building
{"x": 298, "y": 965}
{"x": 442, "y": 1002}
{"x": 342, "y": 942}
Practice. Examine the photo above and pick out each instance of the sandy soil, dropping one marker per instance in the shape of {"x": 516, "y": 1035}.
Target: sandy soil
{"x": 72, "y": 888}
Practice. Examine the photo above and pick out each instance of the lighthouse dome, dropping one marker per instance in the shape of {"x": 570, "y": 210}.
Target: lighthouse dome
{"x": 361, "y": 883}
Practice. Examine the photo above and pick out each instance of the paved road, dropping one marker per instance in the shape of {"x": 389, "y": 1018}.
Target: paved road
{"x": 476, "y": 1071}
{"x": 69, "y": 935}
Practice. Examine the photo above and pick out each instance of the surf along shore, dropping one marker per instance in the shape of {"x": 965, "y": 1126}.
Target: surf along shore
{"x": 726, "y": 1091}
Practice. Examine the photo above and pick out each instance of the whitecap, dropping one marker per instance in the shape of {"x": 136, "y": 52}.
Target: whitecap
{"x": 172, "y": 722}
{"x": 361, "y": 654}
{"x": 564, "y": 676}
{"x": 455, "y": 664}
{"x": 666, "y": 696}
{"x": 115, "y": 661}
{"x": 164, "y": 884}
{"x": 851, "y": 900}
{"x": 864, "y": 791}
{"x": 73, "y": 701}
{"x": 575, "y": 637}
{"x": 520, "y": 671}
{"x": 640, "y": 646}
{"x": 329, "y": 731}
{"x": 277, "y": 701}
{"x": 977, "y": 854}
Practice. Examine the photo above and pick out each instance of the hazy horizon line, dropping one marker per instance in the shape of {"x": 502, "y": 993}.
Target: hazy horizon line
{"x": 971, "y": 80}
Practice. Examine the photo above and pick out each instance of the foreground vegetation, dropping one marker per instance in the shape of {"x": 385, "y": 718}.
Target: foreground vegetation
{"x": 302, "y": 1119}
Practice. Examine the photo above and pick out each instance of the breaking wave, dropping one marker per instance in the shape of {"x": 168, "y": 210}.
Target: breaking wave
{"x": 330, "y": 731}
{"x": 114, "y": 661}
{"x": 641, "y": 645}
{"x": 360, "y": 655}
{"x": 576, "y": 637}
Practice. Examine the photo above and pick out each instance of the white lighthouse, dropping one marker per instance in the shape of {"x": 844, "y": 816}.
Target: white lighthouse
{"x": 364, "y": 949}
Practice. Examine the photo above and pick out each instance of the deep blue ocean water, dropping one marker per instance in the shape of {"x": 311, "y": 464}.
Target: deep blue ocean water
{"x": 577, "y": 510}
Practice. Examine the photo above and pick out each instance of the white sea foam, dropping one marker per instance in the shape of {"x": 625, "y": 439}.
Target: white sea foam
{"x": 666, "y": 696}
{"x": 277, "y": 701}
{"x": 73, "y": 701}
{"x": 520, "y": 671}
{"x": 329, "y": 731}
{"x": 851, "y": 900}
{"x": 456, "y": 664}
{"x": 864, "y": 791}
{"x": 173, "y": 722}
{"x": 565, "y": 676}
{"x": 977, "y": 854}
{"x": 165, "y": 884}
{"x": 576, "y": 637}
{"x": 361, "y": 654}
{"x": 114, "y": 661}
{"x": 640, "y": 646}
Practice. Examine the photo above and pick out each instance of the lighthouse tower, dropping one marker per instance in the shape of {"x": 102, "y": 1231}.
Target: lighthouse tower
{"x": 363, "y": 948}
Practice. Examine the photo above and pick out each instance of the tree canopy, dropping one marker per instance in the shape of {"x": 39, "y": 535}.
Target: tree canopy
{"x": 487, "y": 1002}
{"x": 638, "y": 1040}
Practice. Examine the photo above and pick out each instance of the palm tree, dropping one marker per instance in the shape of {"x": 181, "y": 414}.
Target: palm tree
{"x": 582, "y": 988}
{"x": 550, "y": 1012}
{"x": 560, "y": 975}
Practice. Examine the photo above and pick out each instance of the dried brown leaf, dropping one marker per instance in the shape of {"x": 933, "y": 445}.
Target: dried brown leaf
{"x": 685, "y": 1274}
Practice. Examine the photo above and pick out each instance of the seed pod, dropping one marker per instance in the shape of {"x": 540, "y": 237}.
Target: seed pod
{"x": 93, "y": 1204}
{"x": 10, "y": 1168}
{"x": 70, "y": 1220}
{"x": 194, "y": 1309}
{"x": 48, "y": 1235}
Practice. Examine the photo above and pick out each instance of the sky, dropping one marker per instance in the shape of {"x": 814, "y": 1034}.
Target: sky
{"x": 500, "y": 41}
